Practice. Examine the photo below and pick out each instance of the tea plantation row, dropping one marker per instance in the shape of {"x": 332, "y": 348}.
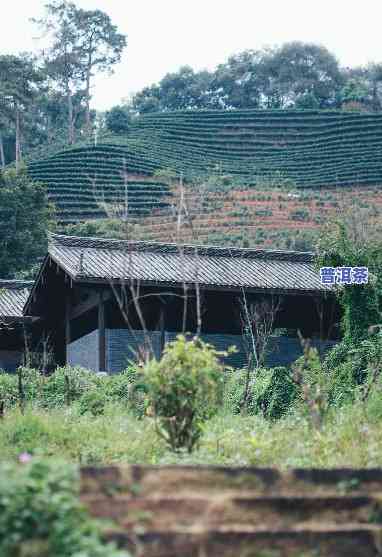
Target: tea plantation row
{"x": 309, "y": 148}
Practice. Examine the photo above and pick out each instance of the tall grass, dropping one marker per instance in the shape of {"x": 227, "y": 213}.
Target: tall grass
{"x": 350, "y": 436}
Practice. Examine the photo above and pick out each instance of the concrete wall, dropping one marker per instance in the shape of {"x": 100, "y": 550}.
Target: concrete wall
{"x": 84, "y": 352}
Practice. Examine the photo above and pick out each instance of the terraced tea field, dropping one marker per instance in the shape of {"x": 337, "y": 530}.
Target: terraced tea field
{"x": 323, "y": 152}
{"x": 311, "y": 148}
{"x": 82, "y": 180}
{"x": 269, "y": 218}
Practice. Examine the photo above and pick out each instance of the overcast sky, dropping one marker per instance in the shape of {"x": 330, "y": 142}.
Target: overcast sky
{"x": 162, "y": 35}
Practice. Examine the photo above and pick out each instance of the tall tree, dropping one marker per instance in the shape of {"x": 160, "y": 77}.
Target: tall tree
{"x": 297, "y": 69}
{"x": 19, "y": 81}
{"x": 117, "y": 119}
{"x": 62, "y": 58}
{"x": 240, "y": 82}
{"x": 82, "y": 42}
{"x": 294, "y": 75}
{"x": 363, "y": 84}
{"x": 100, "y": 47}
{"x": 181, "y": 90}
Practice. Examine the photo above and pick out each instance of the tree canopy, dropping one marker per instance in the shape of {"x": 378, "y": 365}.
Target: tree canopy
{"x": 293, "y": 75}
{"x": 25, "y": 218}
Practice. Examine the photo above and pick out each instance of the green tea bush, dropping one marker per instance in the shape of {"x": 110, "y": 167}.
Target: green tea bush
{"x": 184, "y": 390}
{"x": 41, "y": 516}
{"x": 300, "y": 215}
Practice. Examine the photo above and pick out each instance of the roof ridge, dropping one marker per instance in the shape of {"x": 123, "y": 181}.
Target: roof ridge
{"x": 8, "y": 283}
{"x": 172, "y": 247}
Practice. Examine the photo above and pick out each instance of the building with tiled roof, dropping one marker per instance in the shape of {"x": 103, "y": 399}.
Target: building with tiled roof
{"x": 101, "y": 300}
{"x": 13, "y": 296}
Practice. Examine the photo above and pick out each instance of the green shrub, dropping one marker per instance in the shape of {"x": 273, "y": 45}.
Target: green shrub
{"x": 300, "y": 215}
{"x": 184, "y": 389}
{"x": 8, "y": 389}
{"x": 272, "y": 392}
{"x": 93, "y": 402}
{"x": 67, "y": 385}
{"x": 234, "y": 387}
{"x": 31, "y": 386}
{"x": 129, "y": 388}
{"x": 41, "y": 516}
{"x": 349, "y": 365}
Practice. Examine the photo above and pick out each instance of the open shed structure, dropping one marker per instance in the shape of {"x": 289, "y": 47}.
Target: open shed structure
{"x": 103, "y": 302}
{"x": 14, "y": 326}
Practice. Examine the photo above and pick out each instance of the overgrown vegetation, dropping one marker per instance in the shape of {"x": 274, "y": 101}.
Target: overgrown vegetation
{"x": 357, "y": 359}
{"x": 40, "y": 513}
{"x": 350, "y": 435}
{"x": 310, "y": 415}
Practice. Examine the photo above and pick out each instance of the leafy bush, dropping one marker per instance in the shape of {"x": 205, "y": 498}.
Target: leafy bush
{"x": 184, "y": 389}
{"x": 93, "y": 402}
{"x": 276, "y": 392}
{"x": 8, "y": 389}
{"x": 300, "y": 215}
{"x": 349, "y": 365}
{"x": 67, "y": 385}
{"x": 41, "y": 516}
{"x": 272, "y": 393}
{"x": 129, "y": 388}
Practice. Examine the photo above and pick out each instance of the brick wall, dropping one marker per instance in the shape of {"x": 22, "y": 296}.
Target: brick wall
{"x": 122, "y": 345}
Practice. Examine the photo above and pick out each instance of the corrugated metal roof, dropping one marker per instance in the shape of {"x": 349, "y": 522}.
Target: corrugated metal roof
{"x": 13, "y": 296}
{"x": 104, "y": 260}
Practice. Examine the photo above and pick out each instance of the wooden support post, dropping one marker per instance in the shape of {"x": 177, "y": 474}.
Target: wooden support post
{"x": 162, "y": 322}
{"x": 67, "y": 329}
{"x": 101, "y": 334}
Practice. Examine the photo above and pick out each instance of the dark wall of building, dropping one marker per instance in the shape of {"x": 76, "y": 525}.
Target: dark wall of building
{"x": 10, "y": 360}
{"x": 122, "y": 348}
{"x": 221, "y": 312}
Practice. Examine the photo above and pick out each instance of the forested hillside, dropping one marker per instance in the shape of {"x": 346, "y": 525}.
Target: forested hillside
{"x": 262, "y": 149}
{"x": 253, "y": 150}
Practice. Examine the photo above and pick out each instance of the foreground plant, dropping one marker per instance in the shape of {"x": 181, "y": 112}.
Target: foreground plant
{"x": 41, "y": 516}
{"x": 184, "y": 389}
